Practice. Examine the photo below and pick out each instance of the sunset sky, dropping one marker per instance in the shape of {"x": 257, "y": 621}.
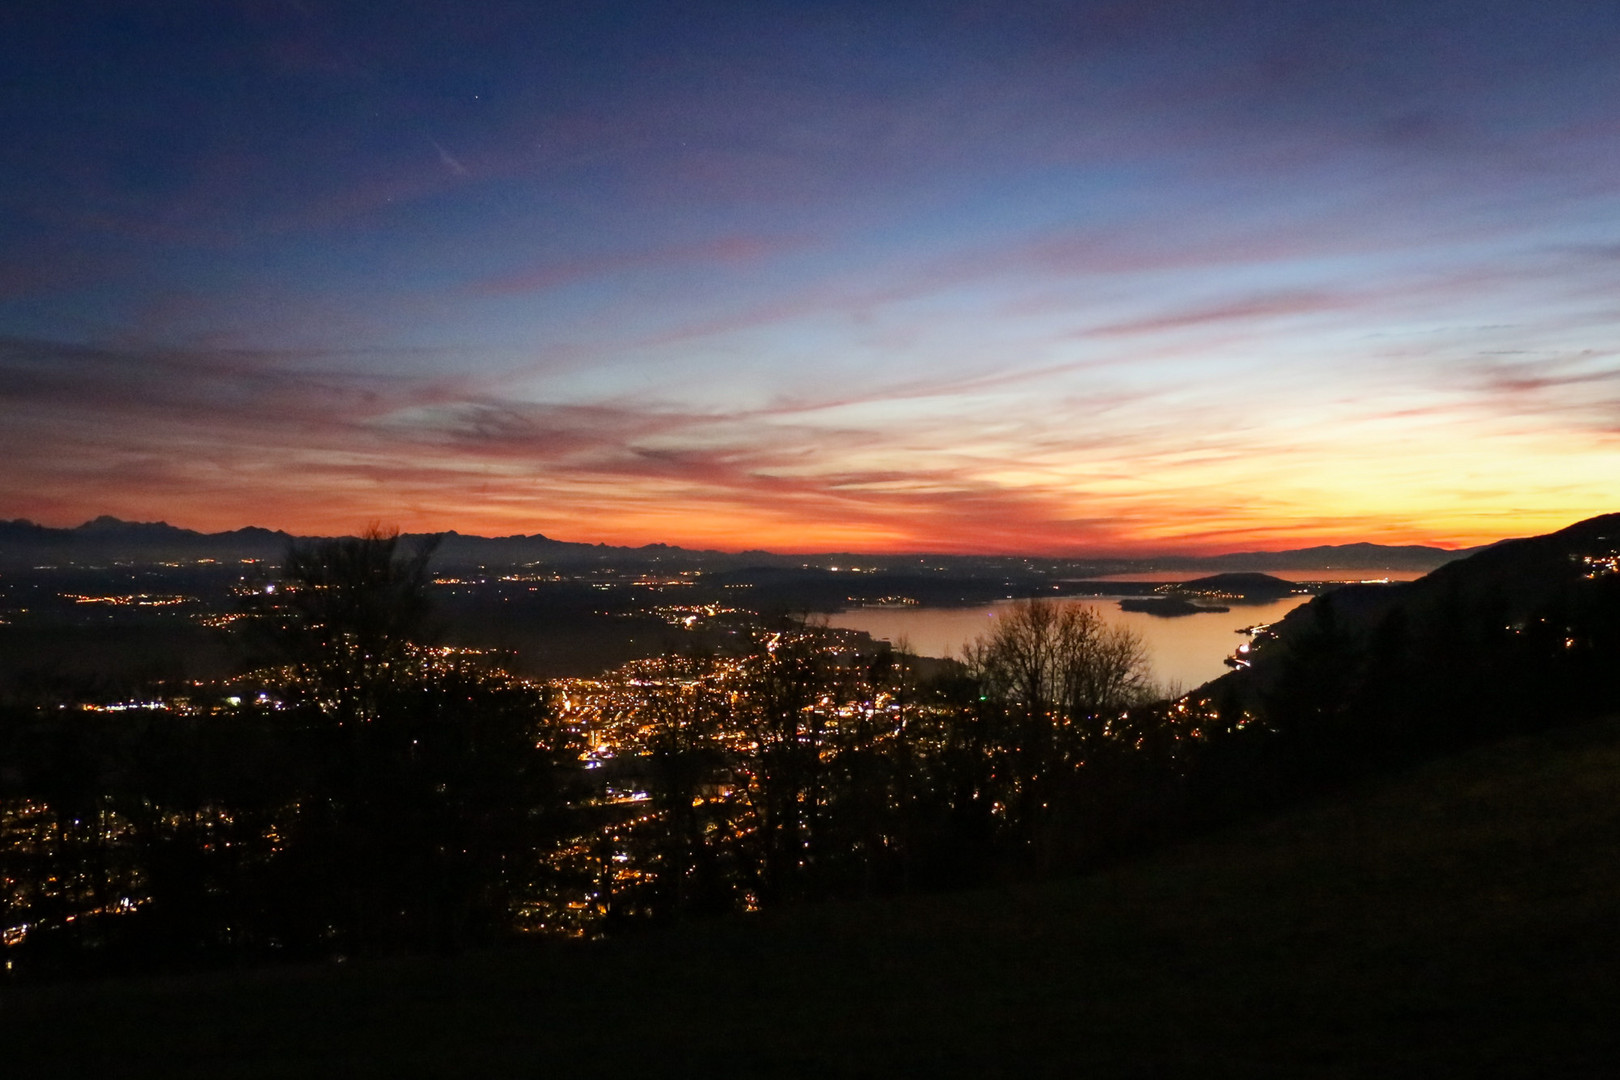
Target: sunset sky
{"x": 1042, "y": 277}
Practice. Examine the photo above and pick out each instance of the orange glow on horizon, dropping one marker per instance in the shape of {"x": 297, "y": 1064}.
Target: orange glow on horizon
{"x": 761, "y": 529}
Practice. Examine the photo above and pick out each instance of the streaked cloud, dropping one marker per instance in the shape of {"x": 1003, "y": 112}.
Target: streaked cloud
{"x": 1088, "y": 277}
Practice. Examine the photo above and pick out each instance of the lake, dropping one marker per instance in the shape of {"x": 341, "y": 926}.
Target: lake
{"x": 1188, "y": 649}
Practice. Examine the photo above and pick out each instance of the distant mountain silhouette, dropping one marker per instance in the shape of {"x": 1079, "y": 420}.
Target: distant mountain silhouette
{"x": 110, "y": 539}
{"x": 1332, "y": 557}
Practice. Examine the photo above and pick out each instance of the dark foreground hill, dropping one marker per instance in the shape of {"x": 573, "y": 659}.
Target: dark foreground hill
{"x": 1460, "y": 919}
{"x": 1501, "y": 642}
{"x": 1571, "y": 573}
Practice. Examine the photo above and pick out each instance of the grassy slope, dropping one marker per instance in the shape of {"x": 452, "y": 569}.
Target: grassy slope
{"x": 1462, "y": 919}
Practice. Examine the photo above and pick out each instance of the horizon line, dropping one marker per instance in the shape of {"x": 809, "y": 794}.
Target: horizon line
{"x": 1149, "y": 556}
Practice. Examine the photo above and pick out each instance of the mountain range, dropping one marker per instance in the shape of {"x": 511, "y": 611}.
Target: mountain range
{"x": 108, "y": 539}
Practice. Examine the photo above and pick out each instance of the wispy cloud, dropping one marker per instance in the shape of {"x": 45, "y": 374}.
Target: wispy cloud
{"x": 734, "y": 250}
{"x": 447, "y": 160}
{"x": 988, "y": 277}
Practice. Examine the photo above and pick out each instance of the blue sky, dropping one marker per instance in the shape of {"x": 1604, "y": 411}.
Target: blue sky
{"x": 1012, "y": 277}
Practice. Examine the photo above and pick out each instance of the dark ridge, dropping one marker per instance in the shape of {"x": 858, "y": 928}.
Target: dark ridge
{"x": 1241, "y": 583}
